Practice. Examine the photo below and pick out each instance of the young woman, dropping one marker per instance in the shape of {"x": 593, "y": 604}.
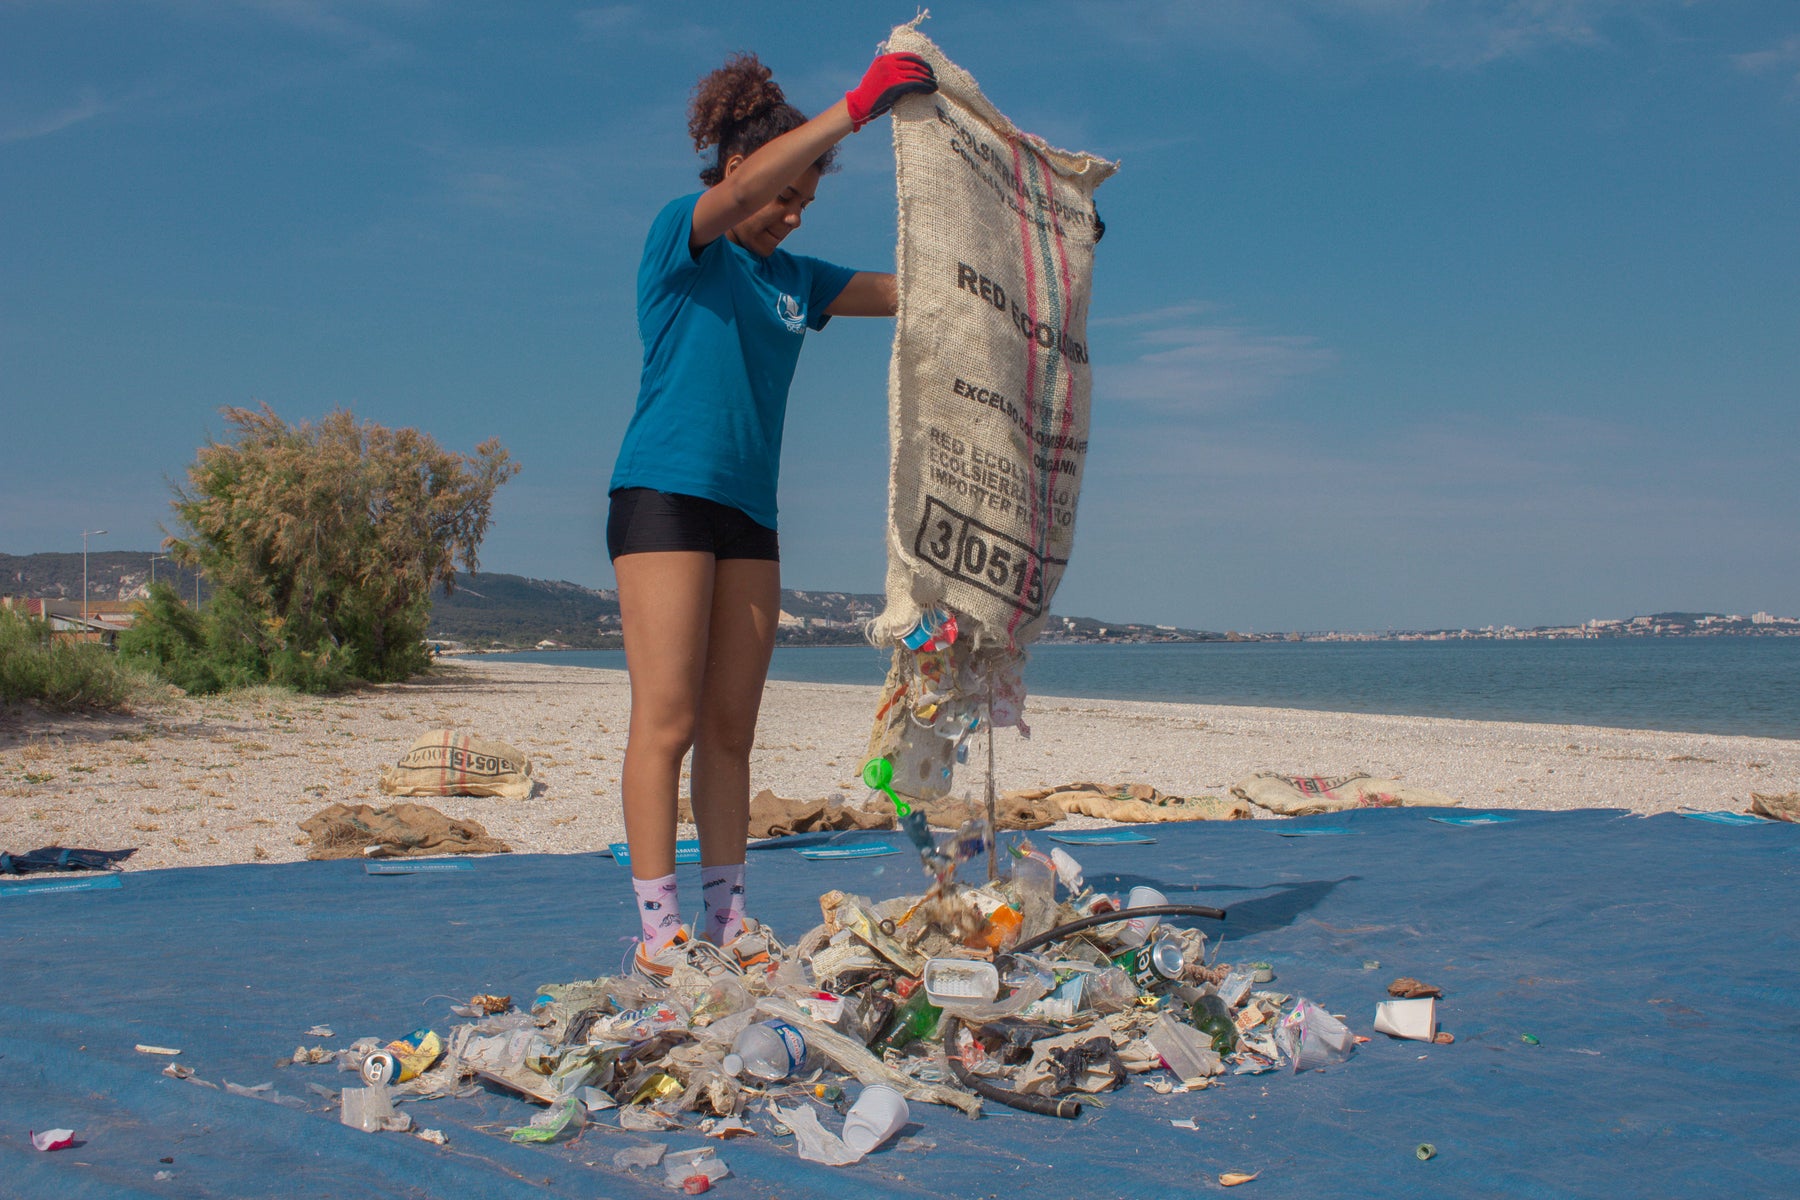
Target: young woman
{"x": 722, "y": 310}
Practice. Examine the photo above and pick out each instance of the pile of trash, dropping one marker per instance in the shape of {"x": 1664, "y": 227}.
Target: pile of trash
{"x": 1031, "y": 991}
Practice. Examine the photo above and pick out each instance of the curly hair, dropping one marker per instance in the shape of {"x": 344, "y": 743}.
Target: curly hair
{"x": 737, "y": 109}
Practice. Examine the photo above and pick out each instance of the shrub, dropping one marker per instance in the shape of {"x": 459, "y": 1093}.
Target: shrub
{"x": 322, "y": 544}
{"x": 58, "y": 673}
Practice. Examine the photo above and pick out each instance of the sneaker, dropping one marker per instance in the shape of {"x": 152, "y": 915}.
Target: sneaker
{"x": 656, "y": 967}
{"x": 756, "y": 946}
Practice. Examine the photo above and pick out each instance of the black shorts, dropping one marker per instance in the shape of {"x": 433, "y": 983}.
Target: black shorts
{"x": 643, "y": 521}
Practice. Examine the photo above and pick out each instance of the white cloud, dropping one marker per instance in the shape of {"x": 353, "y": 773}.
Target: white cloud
{"x": 1783, "y": 57}
{"x": 1187, "y": 363}
{"x": 88, "y": 106}
{"x": 637, "y": 22}
{"x": 1444, "y": 34}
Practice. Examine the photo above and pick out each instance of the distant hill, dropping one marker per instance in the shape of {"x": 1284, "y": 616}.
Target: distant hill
{"x": 112, "y": 575}
{"x": 494, "y": 611}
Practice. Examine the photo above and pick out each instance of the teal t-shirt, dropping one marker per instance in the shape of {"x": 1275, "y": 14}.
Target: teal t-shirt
{"x": 722, "y": 335}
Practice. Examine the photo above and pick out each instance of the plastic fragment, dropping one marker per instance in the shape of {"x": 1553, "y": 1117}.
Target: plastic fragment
{"x": 1185, "y": 1123}
{"x": 53, "y": 1139}
{"x": 370, "y": 1110}
{"x": 1528, "y": 1039}
{"x": 143, "y": 1049}
{"x": 639, "y": 1158}
{"x": 1233, "y": 1178}
{"x": 694, "y": 1171}
{"x": 320, "y": 1031}
{"x": 640, "y": 1118}
{"x": 730, "y": 1127}
{"x": 265, "y": 1091}
{"x": 1426, "y": 1151}
{"x": 163, "y": 1176}
{"x": 434, "y": 1136}
{"x": 816, "y": 1143}
{"x": 564, "y": 1118}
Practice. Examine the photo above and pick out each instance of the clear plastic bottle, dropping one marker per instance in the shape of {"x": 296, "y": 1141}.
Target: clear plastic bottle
{"x": 768, "y": 1050}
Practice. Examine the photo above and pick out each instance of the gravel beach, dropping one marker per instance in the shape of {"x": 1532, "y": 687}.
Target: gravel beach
{"x": 226, "y": 779}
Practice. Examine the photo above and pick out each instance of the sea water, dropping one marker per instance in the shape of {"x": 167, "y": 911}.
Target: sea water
{"x": 1734, "y": 685}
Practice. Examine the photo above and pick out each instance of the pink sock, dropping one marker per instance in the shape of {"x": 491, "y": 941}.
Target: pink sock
{"x": 722, "y": 893}
{"x": 658, "y": 909}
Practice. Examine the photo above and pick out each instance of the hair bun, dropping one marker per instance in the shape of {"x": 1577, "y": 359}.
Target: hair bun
{"x": 739, "y": 91}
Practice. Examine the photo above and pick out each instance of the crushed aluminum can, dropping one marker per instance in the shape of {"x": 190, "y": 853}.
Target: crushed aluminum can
{"x": 1153, "y": 963}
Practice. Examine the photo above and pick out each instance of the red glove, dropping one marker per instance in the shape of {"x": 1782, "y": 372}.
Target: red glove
{"x": 888, "y": 78}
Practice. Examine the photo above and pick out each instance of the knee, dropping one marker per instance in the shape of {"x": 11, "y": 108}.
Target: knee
{"x": 725, "y": 737}
{"x": 665, "y": 738}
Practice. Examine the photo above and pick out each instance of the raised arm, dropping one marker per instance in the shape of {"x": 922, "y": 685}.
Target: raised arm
{"x": 763, "y": 175}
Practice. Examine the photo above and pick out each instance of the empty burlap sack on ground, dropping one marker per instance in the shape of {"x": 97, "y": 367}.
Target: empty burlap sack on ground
{"x": 401, "y": 831}
{"x": 1010, "y": 812}
{"x": 778, "y": 816}
{"x": 1776, "y": 808}
{"x": 446, "y": 763}
{"x": 989, "y": 382}
{"x": 1134, "y": 803}
{"x": 1302, "y": 795}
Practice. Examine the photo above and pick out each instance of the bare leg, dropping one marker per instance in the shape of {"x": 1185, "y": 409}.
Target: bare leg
{"x": 665, "y": 605}
{"x": 746, "y": 607}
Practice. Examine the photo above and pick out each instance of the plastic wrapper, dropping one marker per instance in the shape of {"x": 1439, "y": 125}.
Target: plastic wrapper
{"x": 371, "y": 1110}
{"x": 1033, "y": 885}
{"x": 561, "y": 1121}
{"x": 1312, "y": 1037}
{"x": 685, "y": 1165}
{"x": 815, "y": 1142}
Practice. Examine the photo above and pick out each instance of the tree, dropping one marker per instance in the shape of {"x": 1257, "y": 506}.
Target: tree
{"x": 321, "y": 544}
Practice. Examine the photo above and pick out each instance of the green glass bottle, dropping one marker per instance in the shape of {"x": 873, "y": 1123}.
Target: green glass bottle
{"x": 915, "y": 1019}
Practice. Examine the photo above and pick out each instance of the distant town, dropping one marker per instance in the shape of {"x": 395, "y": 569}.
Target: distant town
{"x": 492, "y": 612}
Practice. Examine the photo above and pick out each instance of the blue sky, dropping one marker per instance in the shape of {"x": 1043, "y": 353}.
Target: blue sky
{"x": 1410, "y": 312}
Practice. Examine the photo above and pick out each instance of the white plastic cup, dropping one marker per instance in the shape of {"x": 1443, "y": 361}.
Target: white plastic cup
{"x": 876, "y": 1116}
{"x": 1415, "y": 1020}
{"x": 1138, "y": 929}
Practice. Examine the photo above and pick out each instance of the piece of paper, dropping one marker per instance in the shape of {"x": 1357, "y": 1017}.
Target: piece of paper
{"x": 416, "y": 866}
{"x": 1099, "y": 837}
{"x": 864, "y": 850}
{"x": 685, "y": 852}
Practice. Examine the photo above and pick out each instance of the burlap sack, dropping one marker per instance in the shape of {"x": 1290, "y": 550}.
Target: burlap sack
{"x": 1302, "y": 795}
{"x": 779, "y": 816}
{"x": 1776, "y": 808}
{"x": 1134, "y": 803}
{"x": 402, "y": 831}
{"x": 444, "y": 763}
{"x": 989, "y": 381}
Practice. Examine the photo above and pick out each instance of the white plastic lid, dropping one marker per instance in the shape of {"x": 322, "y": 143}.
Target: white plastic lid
{"x": 734, "y": 1065}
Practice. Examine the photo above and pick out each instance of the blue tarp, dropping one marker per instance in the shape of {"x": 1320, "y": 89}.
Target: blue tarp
{"x": 1653, "y": 959}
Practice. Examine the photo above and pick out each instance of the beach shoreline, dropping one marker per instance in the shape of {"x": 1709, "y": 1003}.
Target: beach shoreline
{"x": 217, "y": 780}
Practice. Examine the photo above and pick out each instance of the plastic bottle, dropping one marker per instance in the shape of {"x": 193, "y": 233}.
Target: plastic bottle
{"x": 768, "y": 1050}
{"x": 917, "y": 1018}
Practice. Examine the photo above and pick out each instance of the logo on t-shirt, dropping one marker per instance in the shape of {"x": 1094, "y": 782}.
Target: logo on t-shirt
{"x": 791, "y": 312}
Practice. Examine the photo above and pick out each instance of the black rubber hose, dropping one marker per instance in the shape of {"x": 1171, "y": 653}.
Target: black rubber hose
{"x": 1123, "y": 914}
{"x": 1048, "y": 1106}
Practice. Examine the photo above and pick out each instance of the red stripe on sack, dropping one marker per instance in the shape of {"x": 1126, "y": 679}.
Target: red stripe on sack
{"x": 1012, "y": 623}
